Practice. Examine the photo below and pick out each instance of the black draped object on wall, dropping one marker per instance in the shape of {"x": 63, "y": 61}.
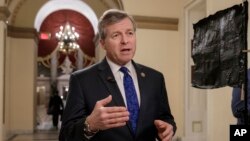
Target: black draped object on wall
{"x": 217, "y": 47}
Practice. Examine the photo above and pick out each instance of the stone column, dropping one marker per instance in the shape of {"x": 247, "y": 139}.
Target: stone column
{"x": 53, "y": 66}
{"x": 80, "y": 60}
{"x": 4, "y": 13}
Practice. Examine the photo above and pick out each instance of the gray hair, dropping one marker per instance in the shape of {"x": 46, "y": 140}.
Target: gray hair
{"x": 112, "y": 16}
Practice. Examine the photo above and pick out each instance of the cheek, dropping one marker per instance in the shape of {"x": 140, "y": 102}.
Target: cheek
{"x": 115, "y": 51}
{"x": 112, "y": 47}
{"x": 112, "y": 51}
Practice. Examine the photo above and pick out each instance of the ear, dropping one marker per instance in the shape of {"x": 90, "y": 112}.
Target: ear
{"x": 102, "y": 43}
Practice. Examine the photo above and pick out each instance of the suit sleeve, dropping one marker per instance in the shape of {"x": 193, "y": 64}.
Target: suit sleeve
{"x": 238, "y": 105}
{"x": 74, "y": 113}
{"x": 165, "y": 112}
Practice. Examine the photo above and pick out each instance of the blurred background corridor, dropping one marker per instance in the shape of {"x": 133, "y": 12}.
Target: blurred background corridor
{"x": 37, "y": 136}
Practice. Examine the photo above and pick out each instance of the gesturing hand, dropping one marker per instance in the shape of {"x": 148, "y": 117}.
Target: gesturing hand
{"x": 103, "y": 117}
{"x": 165, "y": 130}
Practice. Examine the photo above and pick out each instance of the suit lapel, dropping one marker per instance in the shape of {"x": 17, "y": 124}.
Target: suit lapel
{"x": 141, "y": 75}
{"x": 108, "y": 79}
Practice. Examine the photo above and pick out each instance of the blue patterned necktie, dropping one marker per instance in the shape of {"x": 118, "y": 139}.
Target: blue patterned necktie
{"x": 131, "y": 98}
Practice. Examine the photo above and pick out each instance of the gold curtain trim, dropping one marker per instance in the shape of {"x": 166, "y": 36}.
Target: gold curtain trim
{"x": 46, "y": 60}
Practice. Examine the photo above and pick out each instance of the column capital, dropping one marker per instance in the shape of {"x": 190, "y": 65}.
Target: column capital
{"x": 4, "y": 13}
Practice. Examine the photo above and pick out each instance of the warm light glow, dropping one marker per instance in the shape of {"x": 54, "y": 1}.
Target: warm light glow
{"x": 67, "y": 37}
{"x": 44, "y": 36}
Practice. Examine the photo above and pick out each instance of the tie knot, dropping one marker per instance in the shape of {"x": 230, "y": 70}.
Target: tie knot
{"x": 124, "y": 70}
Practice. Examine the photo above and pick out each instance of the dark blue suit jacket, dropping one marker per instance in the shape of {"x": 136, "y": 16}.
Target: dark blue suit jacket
{"x": 238, "y": 105}
{"x": 97, "y": 82}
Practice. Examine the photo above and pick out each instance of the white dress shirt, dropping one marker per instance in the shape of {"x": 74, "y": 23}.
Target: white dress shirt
{"x": 119, "y": 78}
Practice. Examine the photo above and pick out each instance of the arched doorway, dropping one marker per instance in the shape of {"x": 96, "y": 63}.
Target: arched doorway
{"x": 55, "y": 66}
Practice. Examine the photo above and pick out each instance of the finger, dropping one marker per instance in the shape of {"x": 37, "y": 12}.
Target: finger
{"x": 168, "y": 137}
{"x": 115, "y": 109}
{"x": 117, "y": 120}
{"x": 103, "y": 102}
{"x": 168, "y": 133}
{"x": 114, "y": 125}
{"x": 157, "y": 122}
{"x": 118, "y": 114}
{"x": 165, "y": 130}
{"x": 113, "y": 116}
{"x": 159, "y": 125}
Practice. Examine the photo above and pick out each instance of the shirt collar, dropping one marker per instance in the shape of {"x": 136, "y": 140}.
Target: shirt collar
{"x": 115, "y": 68}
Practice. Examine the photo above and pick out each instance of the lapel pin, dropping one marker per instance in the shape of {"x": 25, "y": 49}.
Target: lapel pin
{"x": 110, "y": 79}
{"x": 143, "y": 74}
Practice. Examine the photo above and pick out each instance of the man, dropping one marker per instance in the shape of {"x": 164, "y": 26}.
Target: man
{"x": 238, "y": 103}
{"x": 98, "y": 106}
{"x": 55, "y": 108}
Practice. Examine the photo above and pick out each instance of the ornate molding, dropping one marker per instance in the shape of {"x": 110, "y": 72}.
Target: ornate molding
{"x": 16, "y": 10}
{"x": 120, "y": 4}
{"x": 4, "y": 13}
{"x": 22, "y": 32}
{"x": 8, "y": 2}
{"x": 156, "y": 22}
{"x": 113, "y": 4}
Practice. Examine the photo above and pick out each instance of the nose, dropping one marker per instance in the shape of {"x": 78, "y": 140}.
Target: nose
{"x": 124, "y": 39}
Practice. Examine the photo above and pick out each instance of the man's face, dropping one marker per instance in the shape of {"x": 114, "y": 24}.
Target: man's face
{"x": 120, "y": 41}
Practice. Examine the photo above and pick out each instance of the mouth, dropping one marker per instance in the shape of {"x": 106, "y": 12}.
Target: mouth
{"x": 125, "y": 50}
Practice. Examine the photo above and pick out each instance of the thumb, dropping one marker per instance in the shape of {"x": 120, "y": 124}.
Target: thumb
{"x": 104, "y": 102}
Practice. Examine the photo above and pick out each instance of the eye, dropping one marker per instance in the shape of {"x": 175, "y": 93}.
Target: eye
{"x": 131, "y": 33}
{"x": 115, "y": 35}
